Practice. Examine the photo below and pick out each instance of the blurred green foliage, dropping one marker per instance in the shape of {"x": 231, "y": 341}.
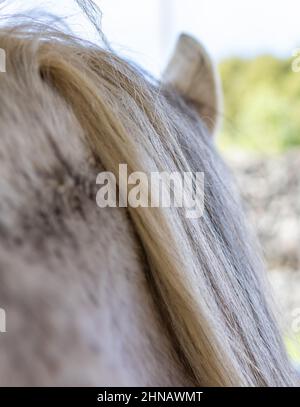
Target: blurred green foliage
{"x": 293, "y": 348}
{"x": 262, "y": 104}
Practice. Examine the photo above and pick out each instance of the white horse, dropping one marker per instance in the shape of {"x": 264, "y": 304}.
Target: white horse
{"x": 121, "y": 296}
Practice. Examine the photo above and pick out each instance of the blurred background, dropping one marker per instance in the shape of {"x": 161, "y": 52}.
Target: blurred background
{"x": 256, "y": 45}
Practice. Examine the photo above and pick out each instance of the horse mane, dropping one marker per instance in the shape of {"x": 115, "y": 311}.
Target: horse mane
{"x": 207, "y": 273}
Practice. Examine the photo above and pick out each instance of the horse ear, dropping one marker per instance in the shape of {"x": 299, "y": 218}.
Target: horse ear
{"x": 191, "y": 72}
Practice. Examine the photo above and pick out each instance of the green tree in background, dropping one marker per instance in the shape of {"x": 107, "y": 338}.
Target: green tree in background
{"x": 262, "y": 104}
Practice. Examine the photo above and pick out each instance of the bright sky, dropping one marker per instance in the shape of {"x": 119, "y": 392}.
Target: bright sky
{"x": 146, "y": 30}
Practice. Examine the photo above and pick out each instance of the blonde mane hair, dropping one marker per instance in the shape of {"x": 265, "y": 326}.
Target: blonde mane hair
{"x": 207, "y": 272}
